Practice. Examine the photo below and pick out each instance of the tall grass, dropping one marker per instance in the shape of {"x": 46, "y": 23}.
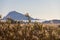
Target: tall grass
{"x": 31, "y": 31}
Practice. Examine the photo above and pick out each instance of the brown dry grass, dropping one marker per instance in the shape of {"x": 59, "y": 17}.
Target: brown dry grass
{"x": 31, "y": 31}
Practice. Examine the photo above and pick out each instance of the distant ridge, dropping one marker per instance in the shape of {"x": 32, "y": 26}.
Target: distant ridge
{"x": 17, "y": 16}
{"x": 53, "y": 21}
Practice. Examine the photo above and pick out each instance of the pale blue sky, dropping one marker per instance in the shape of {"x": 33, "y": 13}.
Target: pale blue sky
{"x": 43, "y": 9}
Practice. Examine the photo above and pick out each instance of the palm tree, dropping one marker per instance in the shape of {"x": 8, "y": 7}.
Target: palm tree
{"x": 27, "y": 15}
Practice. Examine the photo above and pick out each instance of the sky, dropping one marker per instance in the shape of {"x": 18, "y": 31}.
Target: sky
{"x": 41, "y": 9}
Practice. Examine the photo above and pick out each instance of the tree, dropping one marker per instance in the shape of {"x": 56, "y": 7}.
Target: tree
{"x": 10, "y": 20}
{"x": 0, "y": 18}
{"x": 27, "y": 15}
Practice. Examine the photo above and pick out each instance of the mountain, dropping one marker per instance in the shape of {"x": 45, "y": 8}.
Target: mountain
{"x": 52, "y": 21}
{"x": 17, "y": 16}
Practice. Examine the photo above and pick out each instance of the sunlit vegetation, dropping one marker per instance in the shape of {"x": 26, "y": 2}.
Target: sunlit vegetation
{"x": 18, "y": 30}
{"x": 31, "y": 31}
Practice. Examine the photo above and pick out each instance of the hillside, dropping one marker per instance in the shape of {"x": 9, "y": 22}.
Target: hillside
{"x": 53, "y": 21}
{"x": 17, "y": 16}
